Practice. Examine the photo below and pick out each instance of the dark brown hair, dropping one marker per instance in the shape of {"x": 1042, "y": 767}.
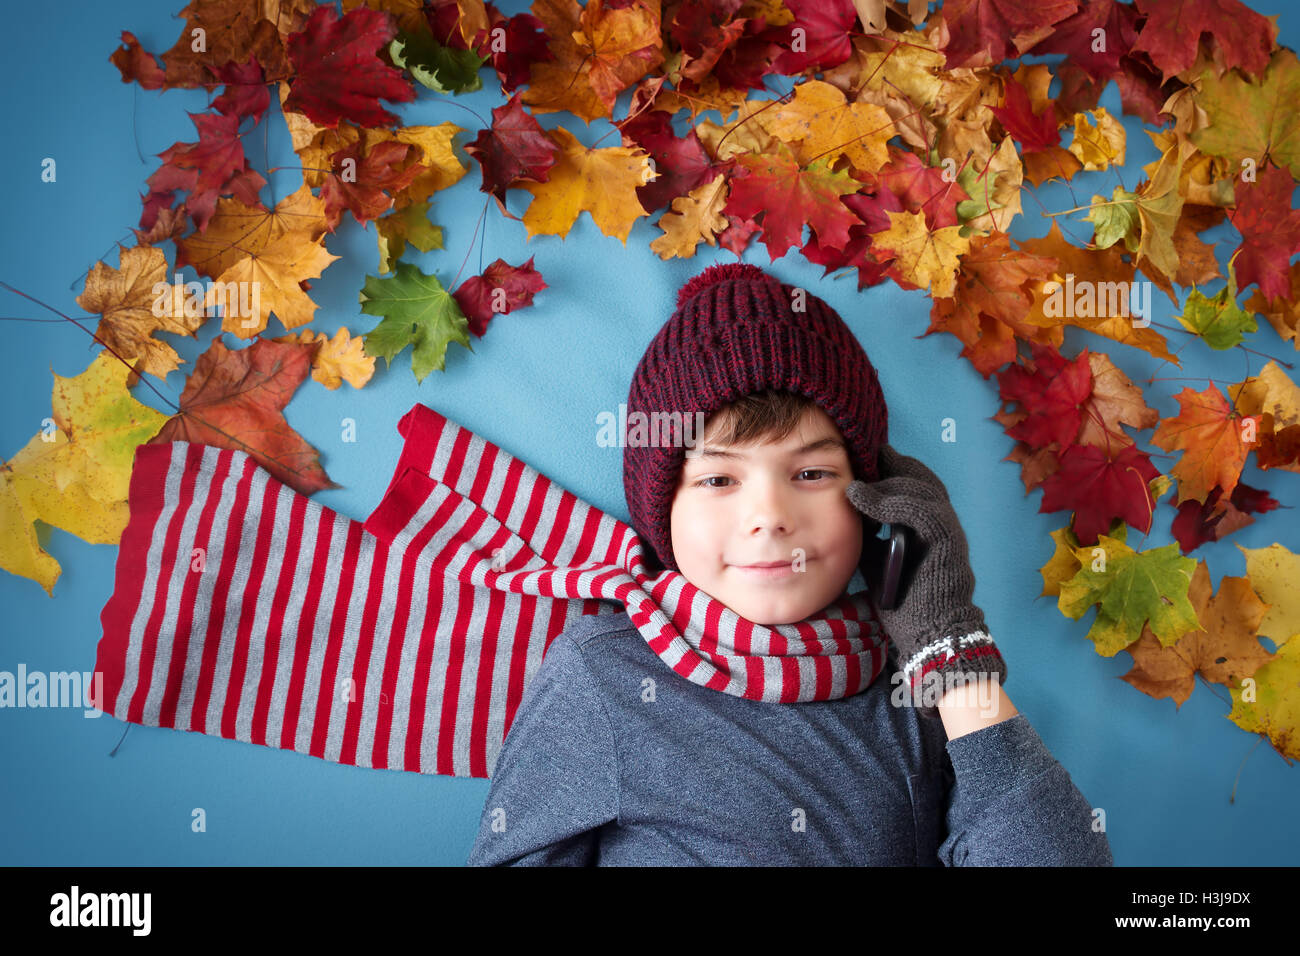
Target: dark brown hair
{"x": 770, "y": 415}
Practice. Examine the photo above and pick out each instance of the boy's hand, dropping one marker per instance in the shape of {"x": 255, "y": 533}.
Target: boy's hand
{"x": 936, "y": 625}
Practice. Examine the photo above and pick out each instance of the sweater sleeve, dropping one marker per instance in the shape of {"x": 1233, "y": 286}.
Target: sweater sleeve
{"x": 555, "y": 782}
{"x": 1013, "y": 804}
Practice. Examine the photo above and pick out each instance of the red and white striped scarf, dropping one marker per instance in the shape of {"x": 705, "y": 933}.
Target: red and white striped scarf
{"x": 245, "y": 610}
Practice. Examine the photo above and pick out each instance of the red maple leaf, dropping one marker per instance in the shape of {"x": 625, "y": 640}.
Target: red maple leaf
{"x": 1173, "y": 30}
{"x": 681, "y": 161}
{"x": 501, "y": 288}
{"x": 1197, "y": 523}
{"x": 788, "y": 196}
{"x": 357, "y": 183}
{"x": 1270, "y": 231}
{"x": 246, "y": 90}
{"x": 513, "y": 148}
{"x": 1099, "y": 489}
{"x": 236, "y": 399}
{"x": 1034, "y": 132}
{"x": 825, "y": 41}
{"x": 981, "y": 32}
{"x": 1051, "y": 391}
{"x": 921, "y": 188}
{"x": 339, "y": 74}
{"x": 1075, "y": 38}
{"x": 215, "y": 166}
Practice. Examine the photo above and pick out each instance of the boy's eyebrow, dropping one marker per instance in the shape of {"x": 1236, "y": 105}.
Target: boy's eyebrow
{"x": 820, "y": 444}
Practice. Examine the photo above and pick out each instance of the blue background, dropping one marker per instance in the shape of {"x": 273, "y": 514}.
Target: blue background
{"x": 1178, "y": 787}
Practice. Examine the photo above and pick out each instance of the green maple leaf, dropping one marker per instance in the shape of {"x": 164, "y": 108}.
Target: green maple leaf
{"x": 440, "y": 68}
{"x": 402, "y": 226}
{"x": 418, "y": 312}
{"x": 1253, "y": 120}
{"x": 1115, "y": 220}
{"x": 1133, "y": 588}
{"x": 1217, "y": 319}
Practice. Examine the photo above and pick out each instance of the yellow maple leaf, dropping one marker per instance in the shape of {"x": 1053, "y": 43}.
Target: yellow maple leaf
{"x": 601, "y": 181}
{"x": 926, "y": 259}
{"x": 135, "y": 301}
{"x": 1273, "y": 705}
{"x": 824, "y": 124}
{"x": 76, "y": 475}
{"x": 339, "y": 359}
{"x": 1097, "y": 147}
{"x": 1273, "y": 573}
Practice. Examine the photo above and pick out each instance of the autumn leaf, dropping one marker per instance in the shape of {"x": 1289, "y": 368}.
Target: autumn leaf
{"x": 994, "y": 188}
{"x": 1270, "y": 231}
{"x": 418, "y": 312}
{"x": 364, "y": 185}
{"x": 990, "y": 301}
{"x": 603, "y": 182}
{"x": 514, "y": 147}
{"x": 823, "y": 124}
{"x": 236, "y": 399}
{"x": 338, "y": 73}
{"x": 1253, "y": 120}
{"x": 1283, "y": 313}
{"x": 259, "y": 260}
{"x": 215, "y": 166}
{"x": 694, "y": 218}
{"x": 1210, "y": 434}
{"x": 1173, "y": 30}
{"x": 1272, "y": 707}
{"x": 1273, "y": 572}
{"x": 133, "y": 308}
{"x": 1100, "y": 487}
{"x": 500, "y": 289}
{"x": 443, "y": 69}
{"x": 1222, "y": 648}
{"x": 1098, "y": 147}
{"x": 986, "y": 31}
{"x": 1276, "y": 400}
{"x": 784, "y": 197}
{"x": 1131, "y": 589}
{"x": 926, "y": 259}
{"x": 1217, "y": 319}
{"x": 76, "y": 475}
{"x": 597, "y": 52}
{"x": 1200, "y": 522}
{"x": 1051, "y": 391}
{"x": 401, "y": 226}
{"x": 338, "y": 359}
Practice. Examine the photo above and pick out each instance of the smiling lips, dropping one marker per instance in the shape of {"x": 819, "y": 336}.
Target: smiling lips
{"x": 768, "y": 569}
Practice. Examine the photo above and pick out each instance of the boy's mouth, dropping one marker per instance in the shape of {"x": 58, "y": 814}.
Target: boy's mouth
{"x": 767, "y": 569}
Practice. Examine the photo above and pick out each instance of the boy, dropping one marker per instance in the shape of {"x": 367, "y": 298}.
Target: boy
{"x": 612, "y": 759}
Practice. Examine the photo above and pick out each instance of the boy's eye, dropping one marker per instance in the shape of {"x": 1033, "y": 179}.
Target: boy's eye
{"x": 819, "y": 472}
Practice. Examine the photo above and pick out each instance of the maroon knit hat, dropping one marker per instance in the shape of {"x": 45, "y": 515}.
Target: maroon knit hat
{"x": 735, "y": 332}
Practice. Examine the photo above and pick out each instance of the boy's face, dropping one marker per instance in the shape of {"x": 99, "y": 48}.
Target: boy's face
{"x": 781, "y": 502}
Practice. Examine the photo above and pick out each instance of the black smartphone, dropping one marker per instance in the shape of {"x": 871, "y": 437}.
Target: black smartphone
{"x": 884, "y": 555}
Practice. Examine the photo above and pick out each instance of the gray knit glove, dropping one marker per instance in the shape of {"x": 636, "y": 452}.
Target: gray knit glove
{"x": 937, "y": 628}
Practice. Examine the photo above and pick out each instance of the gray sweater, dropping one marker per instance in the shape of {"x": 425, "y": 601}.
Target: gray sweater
{"x": 615, "y": 760}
